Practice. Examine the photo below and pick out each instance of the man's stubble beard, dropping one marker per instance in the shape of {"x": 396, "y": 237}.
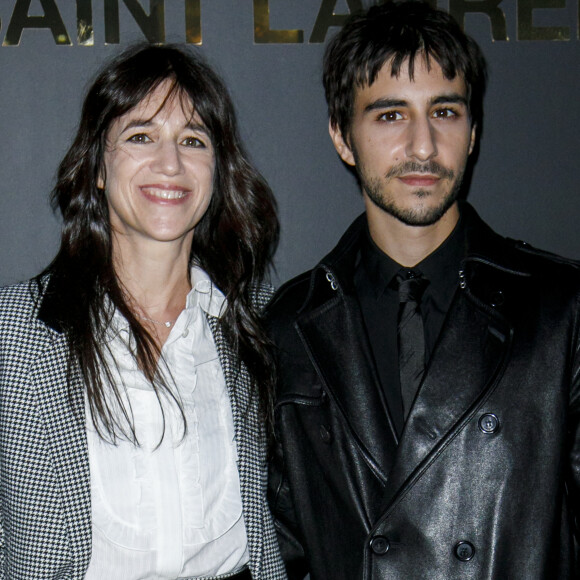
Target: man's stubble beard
{"x": 422, "y": 216}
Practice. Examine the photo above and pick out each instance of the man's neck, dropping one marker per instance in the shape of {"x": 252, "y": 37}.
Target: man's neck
{"x": 409, "y": 245}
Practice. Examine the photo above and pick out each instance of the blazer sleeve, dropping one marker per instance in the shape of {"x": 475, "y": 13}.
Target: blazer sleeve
{"x": 2, "y": 560}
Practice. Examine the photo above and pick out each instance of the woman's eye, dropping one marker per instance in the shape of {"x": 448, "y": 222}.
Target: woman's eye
{"x": 139, "y": 138}
{"x": 193, "y": 142}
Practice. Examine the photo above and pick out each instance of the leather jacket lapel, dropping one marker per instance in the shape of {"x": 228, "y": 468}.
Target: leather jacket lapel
{"x": 334, "y": 336}
{"x": 466, "y": 365}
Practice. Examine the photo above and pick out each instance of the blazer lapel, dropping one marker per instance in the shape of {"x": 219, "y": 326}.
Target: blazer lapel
{"x": 465, "y": 367}
{"x": 336, "y": 340}
{"x": 250, "y": 441}
{"x": 63, "y": 412}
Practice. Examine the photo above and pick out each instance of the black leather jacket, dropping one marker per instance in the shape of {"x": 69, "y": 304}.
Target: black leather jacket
{"x": 485, "y": 481}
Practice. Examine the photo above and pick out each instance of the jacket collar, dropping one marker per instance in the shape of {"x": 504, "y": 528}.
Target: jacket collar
{"x": 51, "y": 304}
{"x": 475, "y": 340}
{"x": 483, "y": 247}
{"x": 340, "y": 263}
{"x": 345, "y": 364}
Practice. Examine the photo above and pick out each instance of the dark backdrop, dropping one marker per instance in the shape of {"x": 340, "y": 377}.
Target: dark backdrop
{"x": 525, "y": 183}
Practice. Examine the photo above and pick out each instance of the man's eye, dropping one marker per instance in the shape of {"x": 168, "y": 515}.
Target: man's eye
{"x": 444, "y": 113}
{"x": 139, "y": 138}
{"x": 391, "y": 116}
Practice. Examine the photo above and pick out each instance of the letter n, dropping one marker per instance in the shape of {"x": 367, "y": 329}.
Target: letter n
{"x": 152, "y": 25}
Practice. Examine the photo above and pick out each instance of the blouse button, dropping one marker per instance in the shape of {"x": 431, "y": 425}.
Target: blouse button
{"x": 185, "y": 333}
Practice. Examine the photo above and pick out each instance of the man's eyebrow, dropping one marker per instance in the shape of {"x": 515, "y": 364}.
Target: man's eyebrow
{"x": 452, "y": 98}
{"x": 393, "y": 103}
{"x": 385, "y": 104}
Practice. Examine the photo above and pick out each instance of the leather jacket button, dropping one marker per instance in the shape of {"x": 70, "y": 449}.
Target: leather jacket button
{"x": 464, "y": 551}
{"x": 489, "y": 423}
{"x": 325, "y": 434}
{"x": 380, "y": 545}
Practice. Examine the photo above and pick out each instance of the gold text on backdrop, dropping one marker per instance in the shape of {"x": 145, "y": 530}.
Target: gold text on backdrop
{"x": 152, "y": 22}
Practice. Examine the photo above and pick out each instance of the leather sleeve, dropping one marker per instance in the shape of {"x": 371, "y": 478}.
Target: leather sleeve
{"x": 282, "y": 507}
{"x": 284, "y": 519}
{"x": 573, "y": 484}
{"x": 277, "y": 323}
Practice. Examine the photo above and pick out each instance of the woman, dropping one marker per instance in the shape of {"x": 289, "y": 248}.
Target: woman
{"x": 134, "y": 375}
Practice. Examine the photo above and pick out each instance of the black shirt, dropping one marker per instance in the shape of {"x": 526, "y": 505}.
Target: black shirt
{"x": 379, "y": 301}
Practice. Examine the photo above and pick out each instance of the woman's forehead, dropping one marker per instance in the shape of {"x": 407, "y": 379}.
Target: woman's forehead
{"x": 164, "y": 100}
{"x": 167, "y": 95}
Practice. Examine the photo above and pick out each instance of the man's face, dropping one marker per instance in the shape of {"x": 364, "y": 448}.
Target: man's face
{"x": 409, "y": 141}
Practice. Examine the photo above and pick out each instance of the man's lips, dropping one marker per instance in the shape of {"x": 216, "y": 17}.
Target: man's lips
{"x": 420, "y": 179}
{"x": 164, "y": 193}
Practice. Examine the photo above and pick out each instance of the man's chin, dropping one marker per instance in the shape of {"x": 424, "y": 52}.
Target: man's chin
{"x": 418, "y": 216}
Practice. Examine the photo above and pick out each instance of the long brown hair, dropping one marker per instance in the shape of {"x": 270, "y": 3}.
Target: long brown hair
{"x": 233, "y": 242}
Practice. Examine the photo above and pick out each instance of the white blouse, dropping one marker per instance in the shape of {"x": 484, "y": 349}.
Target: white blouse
{"x": 171, "y": 509}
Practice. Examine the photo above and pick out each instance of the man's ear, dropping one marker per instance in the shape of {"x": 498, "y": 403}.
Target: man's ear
{"x": 473, "y": 138}
{"x": 340, "y": 144}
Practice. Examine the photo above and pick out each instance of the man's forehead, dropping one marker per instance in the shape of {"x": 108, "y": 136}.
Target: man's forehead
{"x": 408, "y": 68}
{"x": 421, "y": 70}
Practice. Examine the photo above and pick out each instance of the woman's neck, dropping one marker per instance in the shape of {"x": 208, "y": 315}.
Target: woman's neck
{"x": 155, "y": 279}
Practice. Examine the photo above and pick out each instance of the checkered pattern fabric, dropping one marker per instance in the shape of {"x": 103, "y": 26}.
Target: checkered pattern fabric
{"x": 45, "y": 511}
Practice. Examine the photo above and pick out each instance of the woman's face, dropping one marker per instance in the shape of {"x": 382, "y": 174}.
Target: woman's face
{"x": 159, "y": 165}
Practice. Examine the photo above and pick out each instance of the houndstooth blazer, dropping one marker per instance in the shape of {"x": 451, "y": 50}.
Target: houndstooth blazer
{"x": 45, "y": 510}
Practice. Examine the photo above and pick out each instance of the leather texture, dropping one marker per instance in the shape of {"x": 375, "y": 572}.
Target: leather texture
{"x": 484, "y": 483}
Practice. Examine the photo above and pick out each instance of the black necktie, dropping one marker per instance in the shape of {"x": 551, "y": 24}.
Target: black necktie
{"x": 411, "y": 335}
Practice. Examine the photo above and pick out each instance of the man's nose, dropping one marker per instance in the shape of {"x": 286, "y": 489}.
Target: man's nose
{"x": 422, "y": 143}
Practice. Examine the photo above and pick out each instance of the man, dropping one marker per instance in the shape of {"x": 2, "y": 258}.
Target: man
{"x": 429, "y": 401}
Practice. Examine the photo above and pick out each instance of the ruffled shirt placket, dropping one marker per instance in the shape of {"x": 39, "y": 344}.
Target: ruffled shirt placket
{"x": 175, "y": 497}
